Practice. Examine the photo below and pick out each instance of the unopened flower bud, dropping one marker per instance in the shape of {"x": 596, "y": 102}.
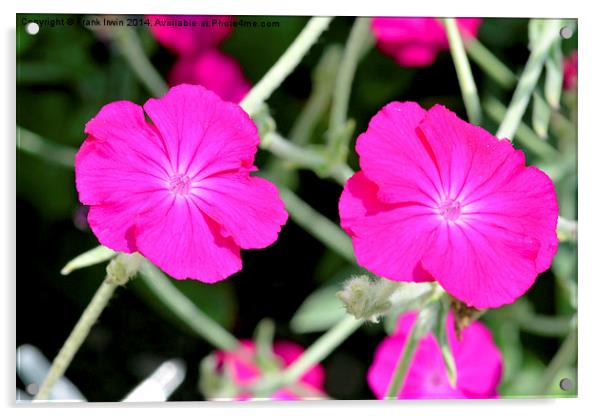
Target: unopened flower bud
{"x": 366, "y": 298}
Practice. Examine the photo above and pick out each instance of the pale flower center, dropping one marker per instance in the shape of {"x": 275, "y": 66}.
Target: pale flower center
{"x": 179, "y": 184}
{"x": 450, "y": 210}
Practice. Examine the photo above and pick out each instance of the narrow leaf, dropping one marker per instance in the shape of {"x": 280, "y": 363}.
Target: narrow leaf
{"x": 89, "y": 258}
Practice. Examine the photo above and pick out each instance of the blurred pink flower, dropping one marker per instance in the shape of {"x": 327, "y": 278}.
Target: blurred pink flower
{"x": 478, "y": 364}
{"x": 439, "y": 198}
{"x": 190, "y": 35}
{"x": 242, "y": 368}
{"x": 416, "y": 41}
{"x": 214, "y": 70}
{"x": 570, "y": 71}
{"x": 178, "y": 191}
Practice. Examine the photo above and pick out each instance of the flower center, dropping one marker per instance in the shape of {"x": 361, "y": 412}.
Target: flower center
{"x": 450, "y": 210}
{"x": 179, "y": 184}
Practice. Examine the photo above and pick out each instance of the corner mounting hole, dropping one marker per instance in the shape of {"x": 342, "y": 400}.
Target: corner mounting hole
{"x": 566, "y": 384}
{"x": 566, "y": 32}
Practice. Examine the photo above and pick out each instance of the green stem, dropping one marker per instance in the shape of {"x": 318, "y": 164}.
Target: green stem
{"x": 564, "y": 357}
{"x": 287, "y": 150}
{"x": 285, "y": 64}
{"x": 355, "y": 48}
{"x": 403, "y": 365}
{"x": 127, "y": 41}
{"x": 324, "y": 77}
{"x": 528, "y": 80}
{"x": 320, "y": 349}
{"x": 187, "y": 311}
{"x": 317, "y": 225}
{"x": 489, "y": 63}
{"x": 76, "y": 338}
{"x": 33, "y": 144}
{"x": 465, "y": 78}
{"x": 527, "y": 137}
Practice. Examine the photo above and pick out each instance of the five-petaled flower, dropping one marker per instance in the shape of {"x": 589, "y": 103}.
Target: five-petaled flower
{"x": 438, "y": 198}
{"x": 178, "y": 190}
{"x": 416, "y": 41}
{"x": 477, "y": 359}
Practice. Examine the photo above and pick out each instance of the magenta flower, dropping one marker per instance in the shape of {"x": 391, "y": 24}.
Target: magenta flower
{"x": 570, "y": 71}
{"x": 242, "y": 368}
{"x": 438, "y": 198}
{"x": 178, "y": 190}
{"x": 214, "y": 70}
{"x": 190, "y": 35}
{"x": 416, "y": 41}
{"x": 478, "y": 364}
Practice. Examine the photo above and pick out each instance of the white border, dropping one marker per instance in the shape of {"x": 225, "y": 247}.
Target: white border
{"x": 590, "y": 203}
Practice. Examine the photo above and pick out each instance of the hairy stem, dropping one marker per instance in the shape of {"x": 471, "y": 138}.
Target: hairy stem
{"x": 76, "y": 338}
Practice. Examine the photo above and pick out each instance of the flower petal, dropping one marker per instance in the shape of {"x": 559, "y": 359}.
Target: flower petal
{"x": 179, "y": 238}
{"x": 248, "y": 208}
{"x": 388, "y": 239}
{"x": 478, "y": 360}
{"x": 204, "y": 134}
{"x": 393, "y": 155}
{"x": 117, "y": 167}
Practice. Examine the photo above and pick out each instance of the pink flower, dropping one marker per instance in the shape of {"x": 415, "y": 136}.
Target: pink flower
{"x": 478, "y": 364}
{"x": 570, "y": 71}
{"x": 189, "y": 35}
{"x": 214, "y": 70}
{"x": 242, "y": 368}
{"x": 178, "y": 190}
{"x": 416, "y": 41}
{"x": 438, "y": 198}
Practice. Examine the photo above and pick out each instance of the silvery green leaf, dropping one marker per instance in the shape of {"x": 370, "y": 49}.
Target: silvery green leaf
{"x": 320, "y": 311}
{"x": 89, "y": 258}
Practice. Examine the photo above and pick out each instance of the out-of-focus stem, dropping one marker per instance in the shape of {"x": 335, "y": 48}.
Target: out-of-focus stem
{"x": 285, "y": 64}
{"x": 187, "y": 311}
{"x": 127, "y": 41}
{"x": 30, "y": 142}
{"x": 489, "y": 63}
{"x": 76, "y": 338}
{"x": 320, "y": 349}
{"x": 528, "y": 80}
{"x": 324, "y": 76}
{"x": 564, "y": 357}
{"x": 527, "y": 137}
{"x": 355, "y": 48}
{"x": 465, "y": 78}
{"x": 403, "y": 365}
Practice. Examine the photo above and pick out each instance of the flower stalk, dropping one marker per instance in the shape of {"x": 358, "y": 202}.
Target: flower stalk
{"x": 465, "y": 78}
{"x": 76, "y": 338}
{"x": 528, "y": 80}
{"x": 285, "y": 64}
